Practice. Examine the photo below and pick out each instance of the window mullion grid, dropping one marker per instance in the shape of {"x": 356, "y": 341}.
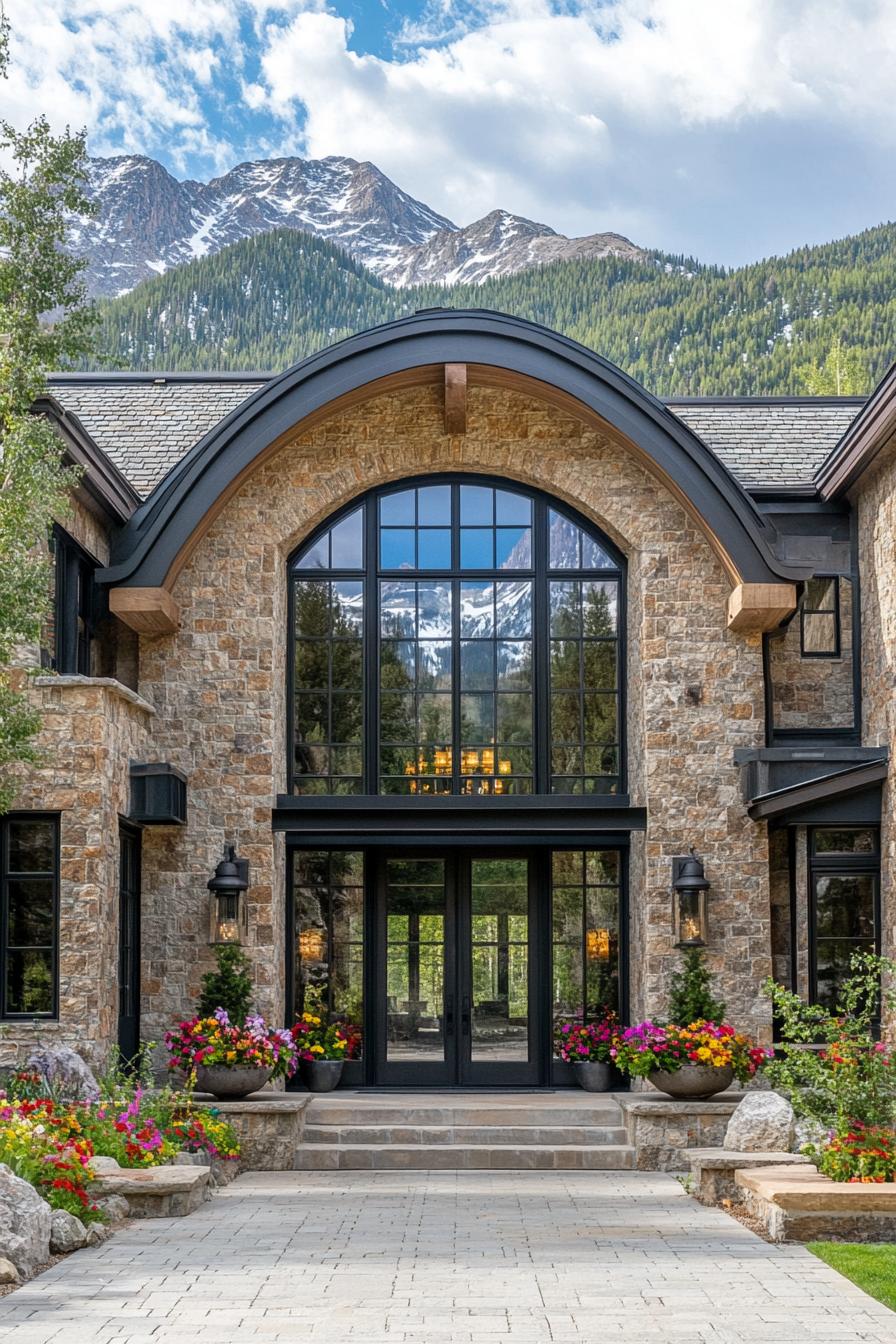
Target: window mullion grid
{"x": 370, "y": 652}
{"x": 541, "y": 652}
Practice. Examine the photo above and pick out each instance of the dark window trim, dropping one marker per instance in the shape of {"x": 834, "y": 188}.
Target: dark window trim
{"x": 72, "y": 654}
{"x": 837, "y": 651}
{"x": 838, "y": 865}
{"x": 540, "y": 572}
{"x": 5, "y": 875}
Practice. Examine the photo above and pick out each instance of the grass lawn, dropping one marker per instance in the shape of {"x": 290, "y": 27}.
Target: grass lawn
{"x": 872, "y": 1268}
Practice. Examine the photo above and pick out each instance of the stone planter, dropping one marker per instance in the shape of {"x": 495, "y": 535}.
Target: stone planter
{"x": 321, "y": 1075}
{"x": 230, "y": 1083}
{"x": 594, "y": 1075}
{"x": 693, "y": 1082}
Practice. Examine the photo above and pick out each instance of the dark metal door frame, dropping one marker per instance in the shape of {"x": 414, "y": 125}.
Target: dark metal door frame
{"x": 457, "y": 1068}
{"x": 129, "y": 846}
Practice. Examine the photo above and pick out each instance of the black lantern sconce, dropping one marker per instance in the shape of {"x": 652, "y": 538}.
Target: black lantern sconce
{"x": 690, "y": 887}
{"x": 227, "y": 908}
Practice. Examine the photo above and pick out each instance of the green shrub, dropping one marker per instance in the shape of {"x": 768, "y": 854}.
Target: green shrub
{"x": 690, "y": 991}
{"x": 229, "y": 987}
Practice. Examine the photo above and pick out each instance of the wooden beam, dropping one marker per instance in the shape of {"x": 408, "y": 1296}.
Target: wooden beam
{"x": 455, "y": 398}
{"x": 755, "y": 607}
{"x": 149, "y": 611}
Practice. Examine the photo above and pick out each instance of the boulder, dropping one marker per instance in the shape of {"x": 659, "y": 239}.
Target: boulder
{"x": 763, "y": 1123}
{"x": 65, "y": 1071}
{"x": 8, "y": 1271}
{"x": 97, "y": 1233}
{"x": 105, "y": 1166}
{"x": 24, "y": 1223}
{"x": 115, "y": 1207}
{"x": 67, "y": 1233}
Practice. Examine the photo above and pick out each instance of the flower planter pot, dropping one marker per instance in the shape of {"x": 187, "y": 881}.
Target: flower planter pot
{"x": 594, "y": 1075}
{"x": 693, "y": 1082}
{"x": 320, "y": 1075}
{"x": 230, "y": 1084}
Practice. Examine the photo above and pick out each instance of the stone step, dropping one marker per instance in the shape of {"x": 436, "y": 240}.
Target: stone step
{"x": 580, "y": 1136}
{"x": 463, "y": 1157}
{"x": 602, "y": 1111}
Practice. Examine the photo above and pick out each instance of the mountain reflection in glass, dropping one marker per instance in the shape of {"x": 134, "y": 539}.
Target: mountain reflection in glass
{"x": 480, "y": 603}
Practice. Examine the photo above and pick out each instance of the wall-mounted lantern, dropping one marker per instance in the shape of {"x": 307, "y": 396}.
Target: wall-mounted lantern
{"x": 689, "y": 886}
{"x": 227, "y": 907}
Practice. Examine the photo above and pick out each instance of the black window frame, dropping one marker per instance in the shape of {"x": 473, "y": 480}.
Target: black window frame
{"x": 837, "y": 650}
{"x": 371, "y": 573}
{"x": 75, "y": 601}
{"x": 5, "y": 876}
{"x": 839, "y": 864}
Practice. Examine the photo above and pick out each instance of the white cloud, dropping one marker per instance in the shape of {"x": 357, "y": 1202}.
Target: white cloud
{"x": 555, "y": 112}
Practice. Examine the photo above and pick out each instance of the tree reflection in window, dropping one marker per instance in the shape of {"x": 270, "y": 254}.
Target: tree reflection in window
{"x": 491, "y": 668}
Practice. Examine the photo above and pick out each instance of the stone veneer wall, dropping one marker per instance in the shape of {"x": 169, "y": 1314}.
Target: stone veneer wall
{"x": 813, "y": 692}
{"x": 875, "y": 503}
{"x": 91, "y": 729}
{"x": 218, "y": 686}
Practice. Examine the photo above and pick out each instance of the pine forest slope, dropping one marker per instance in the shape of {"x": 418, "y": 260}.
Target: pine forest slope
{"x": 676, "y": 326}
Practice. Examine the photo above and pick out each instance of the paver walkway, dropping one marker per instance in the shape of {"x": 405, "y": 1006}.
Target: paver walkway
{"x": 423, "y": 1257}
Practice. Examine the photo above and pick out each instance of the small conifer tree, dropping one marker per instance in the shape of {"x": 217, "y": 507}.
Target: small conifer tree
{"x": 229, "y": 987}
{"x": 690, "y": 991}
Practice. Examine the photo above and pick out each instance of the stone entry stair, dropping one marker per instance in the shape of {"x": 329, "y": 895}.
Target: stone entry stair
{"x": 464, "y": 1131}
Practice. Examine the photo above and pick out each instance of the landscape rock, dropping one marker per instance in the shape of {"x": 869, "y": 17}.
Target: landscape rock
{"x": 8, "y": 1271}
{"x": 24, "y": 1223}
{"x": 67, "y": 1233}
{"x": 97, "y": 1233}
{"x": 105, "y": 1166}
{"x": 115, "y": 1207}
{"x": 809, "y": 1131}
{"x": 763, "y": 1123}
{"x": 65, "y": 1071}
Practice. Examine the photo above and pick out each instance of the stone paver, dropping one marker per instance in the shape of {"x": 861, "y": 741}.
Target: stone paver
{"x": 444, "y": 1257}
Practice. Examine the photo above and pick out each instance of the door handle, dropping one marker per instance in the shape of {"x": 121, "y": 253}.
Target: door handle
{"x": 465, "y": 1016}
{"x": 449, "y": 1014}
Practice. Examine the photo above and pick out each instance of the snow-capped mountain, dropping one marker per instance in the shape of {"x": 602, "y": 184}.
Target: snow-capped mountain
{"x": 498, "y": 244}
{"x": 147, "y": 222}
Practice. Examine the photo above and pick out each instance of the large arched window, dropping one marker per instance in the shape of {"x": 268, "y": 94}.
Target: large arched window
{"x": 456, "y": 637}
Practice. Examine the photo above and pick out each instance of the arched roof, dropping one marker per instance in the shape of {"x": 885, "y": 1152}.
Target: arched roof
{"x": 496, "y": 348}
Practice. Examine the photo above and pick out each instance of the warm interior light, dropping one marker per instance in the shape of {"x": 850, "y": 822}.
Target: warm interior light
{"x": 597, "y": 944}
{"x": 311, "y": 945}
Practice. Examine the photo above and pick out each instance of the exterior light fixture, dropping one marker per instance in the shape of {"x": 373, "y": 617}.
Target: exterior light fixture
{"x": 690, "y": 886}
{"x": 227, "y": 908}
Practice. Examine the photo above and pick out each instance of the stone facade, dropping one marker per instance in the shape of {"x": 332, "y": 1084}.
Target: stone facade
{"x": 813, "y": 692}
{"x": 218, "y": 686}
{"x": 92, "y": 728}
{"x": 211, "y": 699}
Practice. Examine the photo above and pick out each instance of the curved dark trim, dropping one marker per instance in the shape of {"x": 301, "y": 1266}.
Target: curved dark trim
{"x": 162, "y": 527}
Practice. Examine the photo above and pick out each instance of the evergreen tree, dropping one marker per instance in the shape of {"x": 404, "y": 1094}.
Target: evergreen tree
{"x": 691, "y": 991}
{"x": 229, "y": 987}
{"x": 40, "y": 190}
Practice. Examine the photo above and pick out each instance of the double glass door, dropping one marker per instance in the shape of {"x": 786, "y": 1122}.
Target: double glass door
{"x": 456, "y": 999}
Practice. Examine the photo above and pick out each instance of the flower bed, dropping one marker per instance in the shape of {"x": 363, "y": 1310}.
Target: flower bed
{"x": 51, "y": 1143}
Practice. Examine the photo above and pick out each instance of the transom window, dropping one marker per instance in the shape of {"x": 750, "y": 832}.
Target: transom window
{"x": 456, "y": 637}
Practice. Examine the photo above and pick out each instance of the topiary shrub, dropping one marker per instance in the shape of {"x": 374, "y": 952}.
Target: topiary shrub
{"x": 690, "y": 991}
{"x": 229, "y": 987}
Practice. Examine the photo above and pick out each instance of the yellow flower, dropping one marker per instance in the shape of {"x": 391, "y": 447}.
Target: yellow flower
{"x": 317, "y": 1049}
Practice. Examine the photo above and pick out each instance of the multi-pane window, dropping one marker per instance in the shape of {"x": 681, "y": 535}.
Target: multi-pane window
{"x": 820, "y": 618}
{"x": 29, "y": 892}
{"x": 328, "y": 925}
{"x": 585, "y": 937}
{"x": 456, "y": 637}
{"x": 844, "y": 869}
{"x": 68, "y": 634}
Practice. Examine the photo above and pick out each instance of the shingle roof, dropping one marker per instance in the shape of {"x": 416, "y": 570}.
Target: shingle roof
{"x": 147, "y": 422}
{"x": 769, "y": 441}
{"x": 146, "y": 425}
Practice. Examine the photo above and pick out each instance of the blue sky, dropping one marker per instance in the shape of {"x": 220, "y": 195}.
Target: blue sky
{"x": 725, "y": 129}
